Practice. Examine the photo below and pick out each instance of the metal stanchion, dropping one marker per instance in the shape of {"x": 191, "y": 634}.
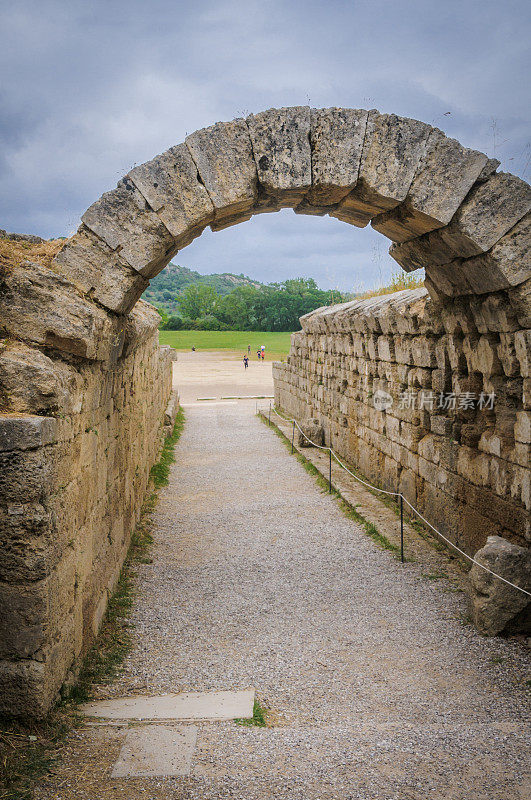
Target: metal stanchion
{"x": 293, "y": 437}
{"x": 269, "y": 418}
{"x": 401, "y": 529}
{"x": 330, "y": 471}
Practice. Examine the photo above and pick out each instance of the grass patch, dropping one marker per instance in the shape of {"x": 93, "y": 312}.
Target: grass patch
{"x": 370, "y": 529}
{"x": 435, "y": 576}
{"x": 13, "y": 254}
{"x": 399, "y": 280}
{"x": 161, "y": 470}
{"x": 28, "y": 750}
{"x": 350, "y": 511}
{"x": 259, "y": 718}
{"x": 276, "y": 344}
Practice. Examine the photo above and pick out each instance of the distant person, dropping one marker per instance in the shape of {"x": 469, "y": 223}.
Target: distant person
{"x": 193, "y": 348}
{"x": 246, "y": 361}
{"x": 248, "y": 349}
{"x": 262, "y": 350}
{"x": 259, "y": 354}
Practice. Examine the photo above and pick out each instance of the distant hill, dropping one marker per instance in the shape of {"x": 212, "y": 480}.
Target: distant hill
{"x": 163, "y": 289}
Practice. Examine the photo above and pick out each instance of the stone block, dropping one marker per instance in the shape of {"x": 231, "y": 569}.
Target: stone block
{"x": 224, "y": 158}
{"x": 522, "y": 345}
{"x": 450, "y": 280}
{"x": 520, "y": 300}
{"x": 446, "y": 174}
{"x": 492, "y": 313}
{"x": 40, "y": 306}
{"x": 139, "y": 326}
{"x": 336, "y": 138}
{"x": 23, "y": 689}
{"x": 482, "y": 355}
{"x": 23, "y": 619}
{"x": 495, "y": 606}
{"x": 489, "y": 212}
{"x": 507, "y": 264}
{"x": 392, "y": 151}
{"x": 408, "y": 485}
{"x": 385, "y": 348}
{"x": 36, "y": 384}
{"x": 123, "y": 219}
{"x": 312, "y": 430}
{"x": 522, "y": 427}
{"x": 25, "y": 432}
{"x": 170, "y": 185}
{"x": 423, "y": 351}
{"x": 441, "y": 426}
{"x": 281, "y": 146}
{"x": 473, "y": 465}
{"x": 98, "y": 271}
{"x": 507, "y": 355}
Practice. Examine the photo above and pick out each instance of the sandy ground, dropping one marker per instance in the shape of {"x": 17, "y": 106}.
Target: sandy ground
{"x": 377, "y": 689}
{"x": 215, "y": 374}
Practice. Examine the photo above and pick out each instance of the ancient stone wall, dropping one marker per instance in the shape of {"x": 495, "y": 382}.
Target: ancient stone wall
{"x": 78, "y": 437}
{"x": 466, "y": 468}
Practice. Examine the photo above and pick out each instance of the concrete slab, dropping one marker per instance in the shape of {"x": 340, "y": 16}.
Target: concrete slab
{"x": 183, "y": 706}
{"x": 156, "y": 750}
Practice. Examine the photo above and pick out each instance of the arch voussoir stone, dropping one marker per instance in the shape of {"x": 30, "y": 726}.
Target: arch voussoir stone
{"x": 224, "y": 162}
{"x": 99, "y": 272}
{"x": 392, "y": 151}
{"x": 489, "y": 211}
{"x": 444, "y": 178}
{"x": 125, "y": 222}
{"x": 336, "y": 138}
{"x": 506, "y": 264}
{"x": 282, "y": 153}
{"x": 170, "y": 185}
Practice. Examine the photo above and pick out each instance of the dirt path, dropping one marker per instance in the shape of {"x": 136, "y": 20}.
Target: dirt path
{"x": 378, "y": 690}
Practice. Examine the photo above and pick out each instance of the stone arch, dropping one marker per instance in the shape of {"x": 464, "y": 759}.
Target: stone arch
{"x": 444, "y": 206}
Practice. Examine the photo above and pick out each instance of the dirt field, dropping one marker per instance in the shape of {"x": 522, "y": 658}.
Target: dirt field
{"x": 218, "y": 374}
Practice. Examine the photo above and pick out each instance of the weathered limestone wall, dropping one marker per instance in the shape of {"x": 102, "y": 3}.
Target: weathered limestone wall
{"x": 465, "y": 469}
{"x": 78, "y": 437}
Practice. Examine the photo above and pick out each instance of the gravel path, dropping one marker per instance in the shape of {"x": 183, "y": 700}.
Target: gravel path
{"x": 378, "y": 689}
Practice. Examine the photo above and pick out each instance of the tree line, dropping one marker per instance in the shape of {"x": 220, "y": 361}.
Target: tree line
{"x": 275, "y": 307}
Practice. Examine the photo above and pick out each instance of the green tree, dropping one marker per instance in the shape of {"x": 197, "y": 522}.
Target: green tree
{"x": 198, "y": 300}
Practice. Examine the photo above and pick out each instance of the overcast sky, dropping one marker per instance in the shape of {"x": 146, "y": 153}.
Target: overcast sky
{"x": 87, "y": 89}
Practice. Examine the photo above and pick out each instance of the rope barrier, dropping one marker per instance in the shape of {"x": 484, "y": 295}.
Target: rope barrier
{"x": 404, "y": 499}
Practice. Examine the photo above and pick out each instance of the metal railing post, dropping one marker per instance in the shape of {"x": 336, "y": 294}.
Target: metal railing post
{"x": 269, "y": 418}
{"x": 293, "y": 437}
{"x": 401, "y": 529}
{"x": 330, "y": 471}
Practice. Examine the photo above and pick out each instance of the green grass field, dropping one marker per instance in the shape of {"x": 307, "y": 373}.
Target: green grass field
{"x": 276, "y": 344}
